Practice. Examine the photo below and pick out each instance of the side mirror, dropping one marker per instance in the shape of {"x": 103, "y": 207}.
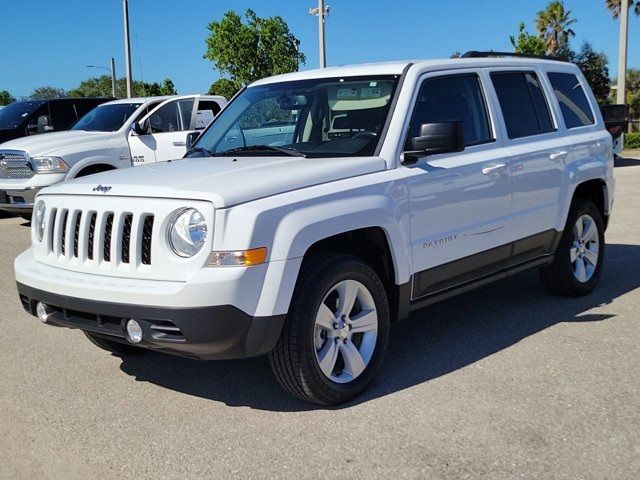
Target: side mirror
{"x": 44, "y": 124}
{"x": 140, "y": 128}
{"x": 192, "y": 137}
{"x": 440, "y": 137}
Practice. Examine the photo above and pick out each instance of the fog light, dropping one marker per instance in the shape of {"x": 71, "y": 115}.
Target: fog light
{"x": 41, "y": 310}
{"x": 134, "y": 331}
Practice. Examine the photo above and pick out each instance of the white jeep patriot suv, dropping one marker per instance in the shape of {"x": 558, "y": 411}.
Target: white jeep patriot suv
{"x": 320, "y": 206}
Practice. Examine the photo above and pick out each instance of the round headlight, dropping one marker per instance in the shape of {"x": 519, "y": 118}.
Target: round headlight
{"x": 187, "y": 233}
{"x": 39, "y": 219}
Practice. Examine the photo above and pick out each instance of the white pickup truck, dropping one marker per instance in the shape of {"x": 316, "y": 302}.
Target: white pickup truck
{"x": 320, "y": 206}
{"x": 116, "y": 134}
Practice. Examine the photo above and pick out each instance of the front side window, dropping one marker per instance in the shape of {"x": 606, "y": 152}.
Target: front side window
{"x": 14, "y": 114}
{"x": 452, "y": 98}
{"x": 524, "y": 107}
{"x": 332, "y": 117}
{"x": 165, "y": 119}
{"x": 106, "y": 118}
{"x": 573, "y": 102}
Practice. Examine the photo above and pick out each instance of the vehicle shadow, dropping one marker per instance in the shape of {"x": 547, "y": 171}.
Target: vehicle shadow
{"x": 434, "y": 342}
{"x": 626, "y": 162}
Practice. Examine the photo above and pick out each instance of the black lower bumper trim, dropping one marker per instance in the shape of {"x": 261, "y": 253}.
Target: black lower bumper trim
{"x": 207, "y": 333}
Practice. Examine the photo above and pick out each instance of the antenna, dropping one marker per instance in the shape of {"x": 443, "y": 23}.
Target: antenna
{"x": 144, "y": 90}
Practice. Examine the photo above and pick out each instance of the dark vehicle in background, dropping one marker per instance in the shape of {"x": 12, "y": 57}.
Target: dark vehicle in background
{"x": 31, "y": 117}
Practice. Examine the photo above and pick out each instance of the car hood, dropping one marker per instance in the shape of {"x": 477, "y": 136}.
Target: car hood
{"x": 225, "y": 181}
{"x": 50, "y": 143}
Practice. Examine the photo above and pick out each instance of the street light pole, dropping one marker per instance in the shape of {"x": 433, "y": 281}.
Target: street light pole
{"x": 112, "y": 71}
{"x": 321, "y": 12}
{"x": 622, "y": 52}
{"x": 113, "y": 77}
{"x": 127, "y": 47}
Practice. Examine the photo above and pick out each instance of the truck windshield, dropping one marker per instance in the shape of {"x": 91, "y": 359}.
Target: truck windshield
{"x": 106, "y": 118}
{"x": 14, "y": 114}
{"x": 325, "y": 117}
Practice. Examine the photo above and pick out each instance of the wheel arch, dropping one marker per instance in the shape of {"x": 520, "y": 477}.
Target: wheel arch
{"x": 100, "y": 164}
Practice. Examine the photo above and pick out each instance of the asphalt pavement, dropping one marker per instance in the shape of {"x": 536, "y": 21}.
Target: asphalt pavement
{"x": 504, "y": 382}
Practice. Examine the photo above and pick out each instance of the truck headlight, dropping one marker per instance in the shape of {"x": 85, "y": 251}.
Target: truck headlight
{"x": 187, "y": 232}
{"x": 49, "y": 165}
{"x": 39, "y": 219}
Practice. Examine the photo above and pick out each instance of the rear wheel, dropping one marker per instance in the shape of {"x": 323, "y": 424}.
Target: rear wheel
{"x": 336, "y": 334}
{"x": 577, "y": 265}
{"x": 119, "y": 349}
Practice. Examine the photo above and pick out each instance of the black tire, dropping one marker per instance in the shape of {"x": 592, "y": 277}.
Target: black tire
{"x": 93, "y": 169}
{"x": 559, "y": 277}
{"x": 294, "y": 361}
{"x": 119, "y": 349}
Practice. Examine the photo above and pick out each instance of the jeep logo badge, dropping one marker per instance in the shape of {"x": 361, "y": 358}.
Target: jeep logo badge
{"x": 101, "y": 188}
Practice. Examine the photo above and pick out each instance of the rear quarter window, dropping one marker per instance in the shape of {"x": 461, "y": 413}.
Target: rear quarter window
{"x": 523, "y": 104}
{"x": 574, "y": 104}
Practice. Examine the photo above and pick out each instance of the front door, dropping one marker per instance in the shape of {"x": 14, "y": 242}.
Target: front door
{"x": 168, "y": 125}
{"x": 459, "y": 202}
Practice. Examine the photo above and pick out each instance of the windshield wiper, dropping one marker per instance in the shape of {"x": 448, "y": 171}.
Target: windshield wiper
{"x": 208, "y": 153}
{"x": 264, "y": 148}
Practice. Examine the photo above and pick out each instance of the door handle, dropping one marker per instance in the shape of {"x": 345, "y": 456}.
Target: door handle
{"x": 558, "y": 156}
{"x": 498, "y": 168}
{"x": 179, "y": 144}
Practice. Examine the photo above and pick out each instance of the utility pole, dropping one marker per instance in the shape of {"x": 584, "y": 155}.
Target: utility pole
{"x": 622, "y": 52}
{"x": 127, "y": 47}
{"x": 321, "y": 12}
{"x": 113, "y": 77}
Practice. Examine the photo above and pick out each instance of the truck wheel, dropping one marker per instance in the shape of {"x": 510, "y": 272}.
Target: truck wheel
{"x": 336, "y": 333}
{"x": 577, "y": 265}
{"x": 119, "y": 349}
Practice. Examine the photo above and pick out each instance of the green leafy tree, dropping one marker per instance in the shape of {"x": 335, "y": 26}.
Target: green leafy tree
{"x": 101, "y": 87}
{"x": 616, "y": 5}
{"x": 633, "y": 93}
{"x": 43, "y": 93}
{"x": 594, "y": 67}
{"x": 553, "y": 24}
{"x": 245, "y": 52}
{"x": 223, "y": 86}
{"x": 6, "y": 98}
{"x": 528, "y": 43}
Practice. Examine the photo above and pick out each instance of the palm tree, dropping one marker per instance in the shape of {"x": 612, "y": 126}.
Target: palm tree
{"x": 553, "y": 26}
{"x": 615, "y": 5}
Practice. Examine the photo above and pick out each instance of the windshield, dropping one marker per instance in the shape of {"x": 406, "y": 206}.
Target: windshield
{"x": 106, "y": 118}
{"x": 14, "y": 114}
{"x": 334, "y": 117}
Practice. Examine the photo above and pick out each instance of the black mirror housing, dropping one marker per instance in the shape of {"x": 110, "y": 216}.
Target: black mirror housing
{"x": 439, "y": 137}
{"x": 192, "y": 137}
{"x": 140, "y": 128}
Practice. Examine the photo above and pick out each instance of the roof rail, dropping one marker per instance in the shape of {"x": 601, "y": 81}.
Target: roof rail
{"x": 477, "y": 54}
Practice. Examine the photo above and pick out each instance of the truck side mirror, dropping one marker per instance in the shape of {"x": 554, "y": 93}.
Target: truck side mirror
{"x": 140, "y": 128}
{"x": 192, "y": 137}
{"x": 44, "y": 124}
{"x": 439, "y": 137}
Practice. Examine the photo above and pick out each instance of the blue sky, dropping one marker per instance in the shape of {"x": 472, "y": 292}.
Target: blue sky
{"x": 48, "y": 42}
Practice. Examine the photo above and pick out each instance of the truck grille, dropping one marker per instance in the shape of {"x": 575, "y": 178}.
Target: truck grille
{"x": 15, "y": 165}
{"x": 121, "y": 237}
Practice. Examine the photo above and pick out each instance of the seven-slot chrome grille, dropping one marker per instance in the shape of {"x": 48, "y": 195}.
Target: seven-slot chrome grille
{"x": 15, "y": 165}
{"x": 103, "y": 236}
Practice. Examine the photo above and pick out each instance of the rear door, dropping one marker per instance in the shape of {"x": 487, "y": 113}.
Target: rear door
{"x": 538, "y": 151}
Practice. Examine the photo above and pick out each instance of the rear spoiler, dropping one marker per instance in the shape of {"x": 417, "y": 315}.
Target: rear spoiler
{"x": 616, "y": 119}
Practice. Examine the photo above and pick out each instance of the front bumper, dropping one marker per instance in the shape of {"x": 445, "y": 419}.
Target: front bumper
{"x": 206, "y": 333}
{"x": 18, "y": 201}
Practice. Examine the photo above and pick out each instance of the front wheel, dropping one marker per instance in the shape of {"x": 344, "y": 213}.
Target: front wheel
{"x": 577, "y": 265}
{"x": 335, "y": 337}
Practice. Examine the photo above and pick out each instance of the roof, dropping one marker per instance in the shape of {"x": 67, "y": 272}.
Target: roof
{"x": 138, "y": 99}
{"x": 396, "y": 68}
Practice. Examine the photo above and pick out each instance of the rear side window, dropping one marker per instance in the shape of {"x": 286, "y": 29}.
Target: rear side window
{"x": 574, "y": 104}
{"x": 63, "y": 115}
{"x": 524, "y": 107}
{"x": 452, "y": 98}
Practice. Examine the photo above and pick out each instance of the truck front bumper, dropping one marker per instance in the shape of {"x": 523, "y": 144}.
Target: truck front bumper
{"x": 18, "y": 201}
{"x": 206, "y": 333}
